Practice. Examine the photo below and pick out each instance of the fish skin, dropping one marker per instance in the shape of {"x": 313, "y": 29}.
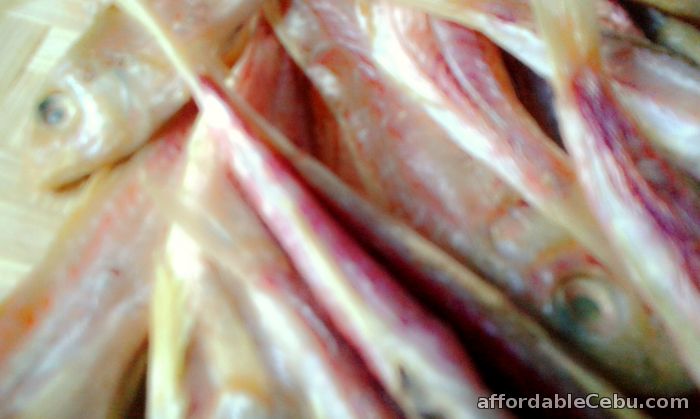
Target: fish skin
{"x": 648, "y": 209}
{"x": 204, "y": 362}
{"x": 660, "y": 92}
{"x": 659, "y": 89}
{"x": 430, "y": 186}
{"x": 75, "y": 326}
{"x": 114, "y": 88}
{"x": 287, "y": 91}
{"x": 226, "y": 376}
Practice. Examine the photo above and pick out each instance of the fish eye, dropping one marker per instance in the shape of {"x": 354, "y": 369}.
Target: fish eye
{"x": 55, "y": 109}
{"x": 587, "y": 304}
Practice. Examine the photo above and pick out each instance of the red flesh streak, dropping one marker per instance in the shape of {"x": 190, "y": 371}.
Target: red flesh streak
{"x": 365, "y": 394}
{"x": 381, "y": 291}
{"x": 666, "y": 198}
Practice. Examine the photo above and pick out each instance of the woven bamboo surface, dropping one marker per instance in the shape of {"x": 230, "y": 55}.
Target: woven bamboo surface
{"x": 34, "y": 34}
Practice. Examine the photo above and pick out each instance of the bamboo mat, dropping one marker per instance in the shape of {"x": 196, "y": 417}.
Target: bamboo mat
{"x": 34, "y": 34}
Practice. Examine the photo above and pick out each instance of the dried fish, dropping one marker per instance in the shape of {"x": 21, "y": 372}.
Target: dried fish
{"x": 659, "y": 90}
{"x": 415, "y": 358}
{"x": 408, "y": 166}
{"x": 114, "y": 87}
{"x": 687, "y": 8}
{"x": 679, "y": 36}
{"x": 637, "y": 196}
{"x": 72, "y": 330}
{"x": 508, "y": 339}
{"x": 204, "y": 362}
{"x": 312, "y": 363}
{"x": 378, "y": 213}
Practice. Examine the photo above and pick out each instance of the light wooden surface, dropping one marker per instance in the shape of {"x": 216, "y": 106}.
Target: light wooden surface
{"x": 34, "y": 34}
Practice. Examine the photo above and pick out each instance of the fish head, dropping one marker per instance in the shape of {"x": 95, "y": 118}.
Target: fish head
{"x": 592, "y": 307}
{"x": 93, "y": 108}
{"x": 85, "y": 118}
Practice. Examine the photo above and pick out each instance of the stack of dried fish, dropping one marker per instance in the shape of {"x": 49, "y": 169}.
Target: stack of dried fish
{"x": 364, "y": 208}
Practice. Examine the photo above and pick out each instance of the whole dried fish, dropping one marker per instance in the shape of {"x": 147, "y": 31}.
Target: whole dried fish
{"x": 414, "y": 357}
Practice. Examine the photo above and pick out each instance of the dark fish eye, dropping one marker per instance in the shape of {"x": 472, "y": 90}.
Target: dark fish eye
{"x": 587, "y": 304}
{"x": 54, "y": 109}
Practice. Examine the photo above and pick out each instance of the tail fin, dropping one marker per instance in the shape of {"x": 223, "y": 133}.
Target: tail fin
{"x": 570, "y": 31}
